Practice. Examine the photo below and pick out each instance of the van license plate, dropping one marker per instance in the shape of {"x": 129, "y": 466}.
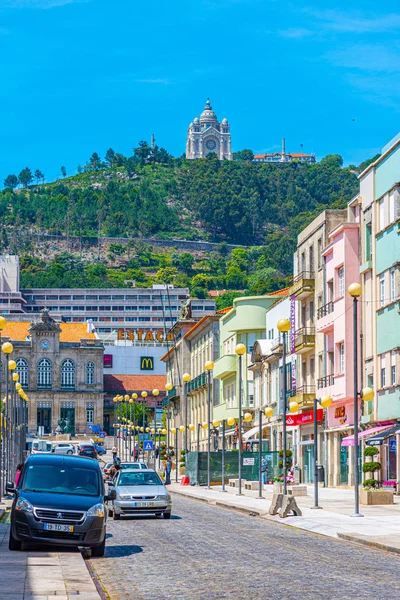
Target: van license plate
{"x": 57, "y": 527}
{"x": 144, "y": 503}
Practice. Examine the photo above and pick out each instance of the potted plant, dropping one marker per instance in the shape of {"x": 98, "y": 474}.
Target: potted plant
{"x": 389, "y": 485}
{"x": 372, "y": 492}
{"x": 182, "y": 461}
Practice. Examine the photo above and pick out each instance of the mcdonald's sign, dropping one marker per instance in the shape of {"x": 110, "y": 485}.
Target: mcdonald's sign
{"x": 147, "y": 363}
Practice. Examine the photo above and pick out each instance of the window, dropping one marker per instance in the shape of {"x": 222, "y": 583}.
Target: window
{"x": 311, "y": 257}
{"x": 391, "y": 207}
{"x": 393, "y": 370}
{"x": 392, "y": 285}
{"x": 22, "y": 370}
{"x": 44, "y": 373}
{"x": 382, "y": 220}
{"x": 251, "y": 340}
{"x": 89, "y": 415}
{"x": 319, "y": 246}
{"x": 341, "y": 357}
{"x": 341, "y": 281}
{"x": 303, "y": 261}
{"x": 90, "y": 373}
{"x": 383, "y": 371}
{"x": 382, "y": 289}
{"x": 368, "y": 242}
{"x": 68, "y": 374}
{"x": 312, "y": 312}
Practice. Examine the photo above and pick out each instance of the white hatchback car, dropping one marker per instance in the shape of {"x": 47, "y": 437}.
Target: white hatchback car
{"x": 63, "y": 448}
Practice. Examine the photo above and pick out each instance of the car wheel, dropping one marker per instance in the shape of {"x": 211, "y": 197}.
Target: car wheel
{"x": 167, "y": 515}
{"x": 158, "y": 516}
{"x": 110, "y": 512}
{"x": 69, "y": 452}
{"x": 115, "y": 516}
{"x": 98, "y": 551}
{"x": 13, "y": 544}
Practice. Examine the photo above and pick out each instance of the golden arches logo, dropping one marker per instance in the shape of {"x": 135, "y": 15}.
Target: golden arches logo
{"x": 146, "y": 363}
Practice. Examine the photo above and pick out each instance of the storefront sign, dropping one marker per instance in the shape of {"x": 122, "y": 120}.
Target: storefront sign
{"x": 340, "y": 414}
{"x": 108, "y": 361}
{"x": 293, "y": 338}
{"x": 142, "y": 335}
{"x": 147, "y": 363}
{"x": 304, "y": 418}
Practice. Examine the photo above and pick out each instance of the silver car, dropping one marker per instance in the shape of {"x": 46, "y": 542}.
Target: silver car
{"x": 140, "y": 492}
{"x": 63, "y": 448}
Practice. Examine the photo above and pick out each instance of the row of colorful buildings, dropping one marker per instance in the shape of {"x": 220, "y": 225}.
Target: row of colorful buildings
{"x": 359, "y": 244}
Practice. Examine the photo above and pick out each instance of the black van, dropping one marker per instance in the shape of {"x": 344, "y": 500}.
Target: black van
{"x": 59, "y": 500}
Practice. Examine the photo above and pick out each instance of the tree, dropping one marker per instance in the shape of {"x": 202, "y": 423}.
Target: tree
{"x": 142, "y": 152}
{"x": 39, "y": 176}
{"x": 110, "y": 157}
{"x": 243, "y": 155}
{"x": 332, "y": 160}
{"x": 95, "y": 161}
{"x": 63, "y": 171}
{"x": 25, "y": 177}
{"x": 11, "y": 181}
{"x": 186, "y": 261}
{"x": 166, "y": 275}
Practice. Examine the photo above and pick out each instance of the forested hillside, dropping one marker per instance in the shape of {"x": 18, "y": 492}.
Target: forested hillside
{"x": 154, "y": 195}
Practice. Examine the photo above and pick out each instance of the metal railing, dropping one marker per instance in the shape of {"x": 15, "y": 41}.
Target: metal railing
{"x": 327, "y": 309}
{"x": 303, "y": 275}
{"x": 197, "y": 382}
{"x": 305, "y": 336}
{"x": 302, "y": 390}
{"x": 326, "y": 381}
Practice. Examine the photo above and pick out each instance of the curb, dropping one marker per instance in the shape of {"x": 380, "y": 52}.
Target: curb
{"x": 369, "y": 543}
{"x": 252, "y": 512}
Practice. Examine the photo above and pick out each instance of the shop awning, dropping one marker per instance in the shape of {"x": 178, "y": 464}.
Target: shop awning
{"x": 377, "y": 440}
{"x": 249, "y": 434}
{"x": 349, "y": 440}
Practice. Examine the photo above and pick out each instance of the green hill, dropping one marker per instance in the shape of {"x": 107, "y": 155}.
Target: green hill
{"x": 262, "y": 206}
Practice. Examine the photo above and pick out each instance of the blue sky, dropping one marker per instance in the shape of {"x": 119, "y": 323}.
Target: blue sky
{"x": 79, "y": 76}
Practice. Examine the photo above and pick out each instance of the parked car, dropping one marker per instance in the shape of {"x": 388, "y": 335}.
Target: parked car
{"x": 40, "y": 446}
{"x": 106, "y": 468}
{"x": 63, "y": 448}
{"x": 59, "y": 500}
{"x": 87, "y": 450}
{"x": 100, "y": 450}
{"x": 139, "y": 492}
{"x": 133, "y": 465}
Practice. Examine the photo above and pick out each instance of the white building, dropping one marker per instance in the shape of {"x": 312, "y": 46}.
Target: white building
{"x": 207, "y": 135}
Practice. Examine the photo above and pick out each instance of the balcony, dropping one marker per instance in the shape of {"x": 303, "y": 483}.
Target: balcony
{"x": 326, "y": 381}
{"x": 303, "y": 395}
{"x": 170, "y": 396}
{"x": 225, "y": 366}
{"x": 325, "y": 317}
{"x": 199, "y": 381}
{"x": 303, "y": 285}
{"x": 304, "y": 340}
{"x": 276, "y": 350}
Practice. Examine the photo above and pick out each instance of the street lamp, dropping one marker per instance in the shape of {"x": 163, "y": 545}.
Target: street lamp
{"x": 284, "y": 326}
{"x": 155, "y": 393}
{"x": 7, "y": 348}
{"x": 186, "y": 378}
{"x": 355, "y": 291}
{"x": 168, "y": 388}
{"x": 209, "y": 367}
{"x": 240, "y": 350}
{"x": 325, "y": 402}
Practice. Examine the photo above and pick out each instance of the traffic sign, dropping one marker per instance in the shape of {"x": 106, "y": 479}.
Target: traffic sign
{"x": 148, "y": 445}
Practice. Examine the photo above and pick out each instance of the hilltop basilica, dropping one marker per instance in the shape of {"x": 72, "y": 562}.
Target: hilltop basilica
{"x": 207, "y": 135}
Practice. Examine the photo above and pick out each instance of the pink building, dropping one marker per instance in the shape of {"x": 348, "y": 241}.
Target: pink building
{"x": 335, "y": 322}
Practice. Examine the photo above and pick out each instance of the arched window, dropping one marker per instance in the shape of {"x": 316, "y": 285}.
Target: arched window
{"x": 90, "y": 373}
{"x": 22, "y": 370}
{"x": 68, "y": 374}
{"x": 44, "y": 373}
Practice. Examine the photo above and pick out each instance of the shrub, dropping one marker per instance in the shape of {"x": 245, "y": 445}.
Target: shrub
{"x": 371, "y": 451}
{"x": 371, "y": 466}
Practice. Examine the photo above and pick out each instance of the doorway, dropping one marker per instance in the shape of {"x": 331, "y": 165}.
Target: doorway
{"x": 44, "y": 419}
{"x": 67, "y": 420}
{"x": 308, "y": 463}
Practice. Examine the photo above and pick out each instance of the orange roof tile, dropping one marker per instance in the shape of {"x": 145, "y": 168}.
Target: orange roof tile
{"x": 134, "y": 383}
{"x": 282, "y": 292}
{"x": 17, "y": 331}
{"x": 223, "y": 311}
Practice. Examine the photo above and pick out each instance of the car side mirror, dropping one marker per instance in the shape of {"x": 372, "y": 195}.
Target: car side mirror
{"x": 110, "y": 483}
{"x": 10, "y": 487}
{"x": 53, "y": 449}
{"x": 111, "y": 496}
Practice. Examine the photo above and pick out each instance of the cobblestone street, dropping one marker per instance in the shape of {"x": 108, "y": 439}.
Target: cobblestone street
{"x": 209, "y": 553}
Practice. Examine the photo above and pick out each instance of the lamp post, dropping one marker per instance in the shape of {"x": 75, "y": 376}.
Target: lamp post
{"x": 209, "y": 367}
{"x": 3, "y": 323}
{"x": 144, "y": 396}
{"x": 325, "y": 402}
{"x": 7, "y": 348}
{"x": 284, "y": 326}
{"x": 186, "y": 378}
{"x": 240, "y": 350}
{"x": 134, "y": 398}
{"x": 155, "y": 393}
{"x": 168, "y": 388}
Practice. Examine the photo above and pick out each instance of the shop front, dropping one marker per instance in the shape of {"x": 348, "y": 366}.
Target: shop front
{"x": 302, "y": 427}
{"x": 340, "y": 425}
{"x": 387, "y": 440}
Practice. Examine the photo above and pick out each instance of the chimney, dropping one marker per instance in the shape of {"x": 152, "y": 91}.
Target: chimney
{"x": 283, "y": 146}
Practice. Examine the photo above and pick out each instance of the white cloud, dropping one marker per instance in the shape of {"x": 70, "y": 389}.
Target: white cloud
{"x": 356, "y": 22}
{"x": 154, "y": 81}
{"x": 375, "y": 58}
{"x": 39, "y": 4}
{"x": 295, "y": 33}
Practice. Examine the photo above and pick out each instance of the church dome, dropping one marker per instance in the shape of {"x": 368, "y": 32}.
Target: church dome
{"x": 224, "y": 121}
{"x": 208, "y": 114}
{"x": 196, "y": 120}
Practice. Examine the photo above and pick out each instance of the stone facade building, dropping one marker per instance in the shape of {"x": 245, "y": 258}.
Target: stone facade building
{"x": 207, "y": 135}
{"x": 60, "y": 366}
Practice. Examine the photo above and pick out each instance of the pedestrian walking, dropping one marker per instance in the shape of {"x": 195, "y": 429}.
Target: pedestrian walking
{"x": 264, "y": 469}
{"x": 168, "y": 469}
{"x": 157, "y": 452}
{"x": 18, "y": 474}
{"x": 114, "y": 454}
{"x": 136, "y": 453}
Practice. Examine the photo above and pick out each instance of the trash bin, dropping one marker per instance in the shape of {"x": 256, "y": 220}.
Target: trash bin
{"x": 321, "y": 474}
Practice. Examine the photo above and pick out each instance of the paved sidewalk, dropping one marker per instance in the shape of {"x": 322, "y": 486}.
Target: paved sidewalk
{"x": 380, "y": 526}
{"x": 43, "y": 574}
